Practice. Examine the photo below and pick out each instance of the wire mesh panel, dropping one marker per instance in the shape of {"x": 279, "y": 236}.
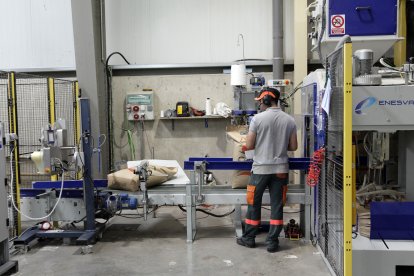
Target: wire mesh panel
{"x": 65, "y": 100}
{"x": 330, "y": 197}
{"x": 64, "y": 105}
{"x": 32, "y": 117}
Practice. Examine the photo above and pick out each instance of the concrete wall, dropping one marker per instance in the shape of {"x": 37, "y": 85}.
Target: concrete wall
{"x": 190, "y": 137}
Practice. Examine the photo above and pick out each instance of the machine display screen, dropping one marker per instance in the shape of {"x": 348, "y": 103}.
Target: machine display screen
{"x": 140, "y": 99}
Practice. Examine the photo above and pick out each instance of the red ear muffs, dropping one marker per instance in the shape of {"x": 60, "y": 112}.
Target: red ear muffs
{"x": 267, "y": 97}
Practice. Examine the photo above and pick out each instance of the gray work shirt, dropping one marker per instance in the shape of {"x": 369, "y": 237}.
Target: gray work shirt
{"x": 273, "y": 129}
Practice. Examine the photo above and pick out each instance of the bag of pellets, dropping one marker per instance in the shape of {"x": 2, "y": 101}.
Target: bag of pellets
{"x": 240, "y": 179}
{"x": 123, "y": 180}
{"x": 127, "y": 180}
{"x": 159, "y": 174}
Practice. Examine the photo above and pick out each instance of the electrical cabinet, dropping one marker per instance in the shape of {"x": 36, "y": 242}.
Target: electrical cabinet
{"x": 140, "y": 106}
{"x": 362, "y": 17}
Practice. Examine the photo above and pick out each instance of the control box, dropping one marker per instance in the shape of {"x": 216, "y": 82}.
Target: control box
{"x": 140, "y": 106}
{"x": 279, "y": 83}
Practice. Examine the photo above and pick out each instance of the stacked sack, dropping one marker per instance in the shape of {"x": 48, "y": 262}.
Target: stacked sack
{"x": 127, "y": 180}
{"x": 240, "y": 179}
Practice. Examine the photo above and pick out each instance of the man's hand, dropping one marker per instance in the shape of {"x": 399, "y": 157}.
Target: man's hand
{"x": 244, "y": 148}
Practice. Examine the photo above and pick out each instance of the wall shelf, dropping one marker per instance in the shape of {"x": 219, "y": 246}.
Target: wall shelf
{"x": 205, "y": 118}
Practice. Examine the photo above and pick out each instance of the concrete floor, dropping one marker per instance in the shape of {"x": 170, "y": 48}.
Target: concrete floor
{"x": 158, "y": 247}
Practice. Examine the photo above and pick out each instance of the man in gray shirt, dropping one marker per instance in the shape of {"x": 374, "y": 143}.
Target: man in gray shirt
{"x": 272, "y": 133}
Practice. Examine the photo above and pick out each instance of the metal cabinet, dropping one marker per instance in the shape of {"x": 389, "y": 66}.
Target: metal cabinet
{"x": 362, "y": 17}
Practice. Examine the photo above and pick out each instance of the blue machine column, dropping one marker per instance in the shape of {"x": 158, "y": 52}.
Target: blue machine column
{"x": 87, "y": 178}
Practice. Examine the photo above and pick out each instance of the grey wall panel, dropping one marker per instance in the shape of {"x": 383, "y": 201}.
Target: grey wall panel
{"x": 35, "y": 34}
{"x": 39, "y": 34}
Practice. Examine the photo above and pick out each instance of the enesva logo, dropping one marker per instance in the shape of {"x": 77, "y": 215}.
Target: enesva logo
{"x": 364, "y": 104}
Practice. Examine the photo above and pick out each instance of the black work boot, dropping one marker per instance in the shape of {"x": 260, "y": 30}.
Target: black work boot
{"x": 246, "y": 242}
{"x": 272, "y": 247}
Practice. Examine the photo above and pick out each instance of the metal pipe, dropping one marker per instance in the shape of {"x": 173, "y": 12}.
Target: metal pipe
{"x": 200, "y": 168}
{"x": 278, "y": 60}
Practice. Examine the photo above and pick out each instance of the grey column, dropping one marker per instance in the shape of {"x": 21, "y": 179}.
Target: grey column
{"x": 88, "y": 31}
{"x": 278, "y": 60}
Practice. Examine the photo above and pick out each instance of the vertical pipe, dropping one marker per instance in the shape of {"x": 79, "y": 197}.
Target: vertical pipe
{"x": 347, "y": 174}
{"x": 278, "y": 60}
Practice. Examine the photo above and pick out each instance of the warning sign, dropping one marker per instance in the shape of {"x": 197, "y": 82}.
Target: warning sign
{"x": 338, "y": 24}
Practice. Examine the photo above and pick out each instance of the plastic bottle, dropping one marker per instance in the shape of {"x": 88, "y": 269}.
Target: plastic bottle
{"x": 208, "y": 107}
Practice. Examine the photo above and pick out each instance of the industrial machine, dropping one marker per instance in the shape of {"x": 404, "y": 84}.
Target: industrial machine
{"x": 370, "y": 25}
{"x": 6, "y": 265}
{"x": 383, "y": 135}
{"x": 140, "y": 106}
{"x": 55, "y": 156}
{"x": 58, "y": 203}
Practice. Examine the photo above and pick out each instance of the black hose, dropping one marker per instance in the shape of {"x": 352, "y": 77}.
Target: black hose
{"x": 208, "y": 213}
{"x": 109, "y": 104}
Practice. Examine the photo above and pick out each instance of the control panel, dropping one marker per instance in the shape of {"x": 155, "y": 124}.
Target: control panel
{"x": 140, "y": 106}
{"x": 279, "y": 83}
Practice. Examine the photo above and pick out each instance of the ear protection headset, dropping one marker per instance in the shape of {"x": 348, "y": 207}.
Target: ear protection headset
{"x": 268, "y": 95}
{"x": 267, "y": 99}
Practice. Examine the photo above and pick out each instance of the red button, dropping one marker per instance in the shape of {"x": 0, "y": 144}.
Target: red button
{"x": 136, "y": 116}
{"x": 135, "y": 108}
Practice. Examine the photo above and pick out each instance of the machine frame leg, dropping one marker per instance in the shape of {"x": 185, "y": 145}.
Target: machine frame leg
{"x": 237, "y": 220}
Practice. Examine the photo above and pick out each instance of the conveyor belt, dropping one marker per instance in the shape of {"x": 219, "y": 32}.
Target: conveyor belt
{"x": 175, "y": 194}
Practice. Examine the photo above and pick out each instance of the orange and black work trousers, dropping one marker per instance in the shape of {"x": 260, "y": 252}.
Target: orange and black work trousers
{"x": 277, "y": 189}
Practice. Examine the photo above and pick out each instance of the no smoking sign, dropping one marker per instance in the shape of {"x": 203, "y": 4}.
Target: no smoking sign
{"x": 337, "y": 24}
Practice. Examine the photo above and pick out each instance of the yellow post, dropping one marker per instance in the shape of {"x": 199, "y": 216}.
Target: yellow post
{"x": 77, "y": 115}
{"x": 13, "y": 129}
{"x": 77, "y": 118}
{"x": 52, "y": 109}
{"x": 347, "y": 174}
{"x": 400, "y": 47}
{"x": 354, "y": 209}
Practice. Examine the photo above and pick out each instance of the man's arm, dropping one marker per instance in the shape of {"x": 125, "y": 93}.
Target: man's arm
{"x": 250, "y": 140}
{"x": 293, "y": 141}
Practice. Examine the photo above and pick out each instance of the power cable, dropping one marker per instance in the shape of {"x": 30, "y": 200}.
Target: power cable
{"x": 12, "y": 190}
{"x": 109, "y": 102}
{"x": 208, "y": 213}
{"x": 294, "y": 212}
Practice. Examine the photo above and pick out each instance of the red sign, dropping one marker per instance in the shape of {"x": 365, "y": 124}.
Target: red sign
{"x": 338, "y": 24}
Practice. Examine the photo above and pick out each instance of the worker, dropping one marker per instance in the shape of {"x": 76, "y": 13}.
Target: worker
{"x": 272, "y": 133}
